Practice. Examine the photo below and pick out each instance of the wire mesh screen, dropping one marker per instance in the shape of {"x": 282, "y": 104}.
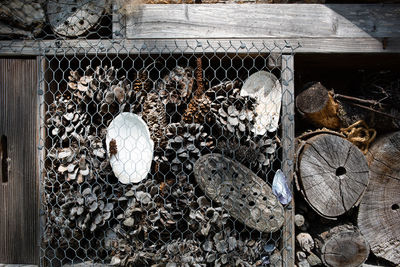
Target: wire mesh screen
{"x": 163, "y": 158}
{"x": 157, "y": 153}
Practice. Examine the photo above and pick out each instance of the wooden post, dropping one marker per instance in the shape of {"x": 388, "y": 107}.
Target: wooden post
{"x": 43, "y": 65}
{"x": 19, "y": 185}
{"x": 288, "y": 154}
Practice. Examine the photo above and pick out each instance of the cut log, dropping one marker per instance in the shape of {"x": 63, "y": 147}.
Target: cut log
{"x": 342, "y": 245}
{"x": 379, "y": 213}
{"x": 332, "y": 174}
{"x": 323, "y": 108}
{"x": 317, "y": 105}
{"x": 74, "y": 18}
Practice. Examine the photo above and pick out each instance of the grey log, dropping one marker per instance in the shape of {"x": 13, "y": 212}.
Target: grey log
{"x": 379, "y": 213}
{"x": 332, "y": 174}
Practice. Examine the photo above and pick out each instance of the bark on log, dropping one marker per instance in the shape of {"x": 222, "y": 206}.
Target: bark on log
{"x": 332, "y": 174}
{"x": 74, "y": 18}
{"x": 379, "y": 213}
{"x": 342, "y": 245}
{"x": 323, "y": 108}
{"x": 317, "y": 105}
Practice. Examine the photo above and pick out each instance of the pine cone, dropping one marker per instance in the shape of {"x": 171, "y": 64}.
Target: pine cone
{"x": 234, "y": 115}
{"x": 156, "y": 118}
{"x": 187, "y": 142}
{"x": 66, "y": 119}
{"x": 77, "y": 214}
{"x": 197, "y": 110}
{"x": 257, "y": 155}
{"x": 79, "y": 161}
{"x": 142, "y": 83}
{"x": 177, "y": 86}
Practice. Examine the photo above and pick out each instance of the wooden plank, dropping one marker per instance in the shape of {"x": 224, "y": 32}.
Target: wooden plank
{"x": 178, "y": 46}
{"x": 18, "y": 193}
{"x": 265, "y": 21}
{"x": 288, "y": 154}
{"x": 44, "y": 77}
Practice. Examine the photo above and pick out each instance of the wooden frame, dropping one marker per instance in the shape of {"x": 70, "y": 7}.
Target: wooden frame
{"x": 324, "y": 29}
{"x": 334, "y": 28}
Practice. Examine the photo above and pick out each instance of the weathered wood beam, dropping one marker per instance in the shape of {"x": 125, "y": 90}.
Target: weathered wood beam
{"x": 177, "y": 46}
{"x": 265, "y": 21}
{"x": 288, "y": 154}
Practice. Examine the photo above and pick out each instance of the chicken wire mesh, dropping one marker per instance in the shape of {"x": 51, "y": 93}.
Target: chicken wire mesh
{"x": 157, "y": 153}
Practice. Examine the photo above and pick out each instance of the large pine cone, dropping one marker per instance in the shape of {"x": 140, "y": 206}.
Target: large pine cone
{"x": 234, "y": 115}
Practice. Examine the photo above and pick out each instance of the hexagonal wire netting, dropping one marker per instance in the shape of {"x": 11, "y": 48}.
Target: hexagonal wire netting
{"x": 164, "y": 152}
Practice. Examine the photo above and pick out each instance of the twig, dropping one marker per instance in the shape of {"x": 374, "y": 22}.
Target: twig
{"x": 356, "y": 99}
{"x": 376, "y": 111}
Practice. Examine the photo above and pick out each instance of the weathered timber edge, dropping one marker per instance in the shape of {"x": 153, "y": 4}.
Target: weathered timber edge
{"x": 334, "y": 28}
{"x": 177, "y": 46}
{"x": 265, "y": 21}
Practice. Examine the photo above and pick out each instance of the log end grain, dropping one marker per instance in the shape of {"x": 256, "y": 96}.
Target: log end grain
{"x": 379, "y": 213}
{"x": 347, "y": 248}
{"x": 333, "y": 174}
{"x": 318, "y": 106}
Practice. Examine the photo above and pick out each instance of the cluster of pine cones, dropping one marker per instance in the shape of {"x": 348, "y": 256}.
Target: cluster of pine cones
{"x": 185, "y": 121}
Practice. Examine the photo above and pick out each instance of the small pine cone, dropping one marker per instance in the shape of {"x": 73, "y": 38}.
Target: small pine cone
{"x": 142, "y": 83}
{"x": 197, "y": 110}
{"x": 177, "y": 86}
{"x": 156, "y": 118}
{"x": 187, "y": 142}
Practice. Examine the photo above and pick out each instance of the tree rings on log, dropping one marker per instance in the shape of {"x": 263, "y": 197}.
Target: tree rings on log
{"x": 317, "y": 105}
{"x": 73, "y": 18}
{"x": 240, "y": 191}
{"x": 332, "y": 174}
{"x": 379, "y": 213}
{"x": 343, "y": 245}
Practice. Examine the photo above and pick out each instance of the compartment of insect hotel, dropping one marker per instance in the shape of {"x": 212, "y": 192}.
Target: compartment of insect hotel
{"x": 347, "y": 150}
{"x": 166, "y": 159}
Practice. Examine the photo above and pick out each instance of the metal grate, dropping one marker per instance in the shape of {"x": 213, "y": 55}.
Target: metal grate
{"x": 159, "y": 152}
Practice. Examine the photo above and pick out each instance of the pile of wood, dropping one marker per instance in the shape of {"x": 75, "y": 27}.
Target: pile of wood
{"x": 348, "y": 177}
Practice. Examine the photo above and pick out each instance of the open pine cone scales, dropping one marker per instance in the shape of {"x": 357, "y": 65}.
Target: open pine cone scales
{"x": 156, "y": 119}
{"x": 176, "y": 87}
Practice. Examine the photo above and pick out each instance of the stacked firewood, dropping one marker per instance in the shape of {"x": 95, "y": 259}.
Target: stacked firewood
{"x": 347, "y": 177}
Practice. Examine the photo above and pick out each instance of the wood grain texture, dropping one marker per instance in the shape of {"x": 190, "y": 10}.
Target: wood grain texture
{"x": 379, "y": 213}
{"x": 342, "y": 245}
{"x": 345, "y": 249}
{"x": 333, "y": 174}
{"x": 198, "y": 46}
{"x": 288, "y": 151}
{"x": 19, "y": 196}
{"x": 265, "y": 21}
